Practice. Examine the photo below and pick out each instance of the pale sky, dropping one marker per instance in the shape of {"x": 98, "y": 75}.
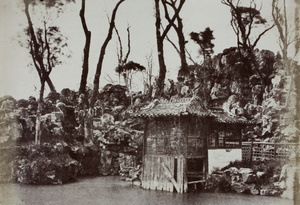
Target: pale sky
{"x": 21, "y": 81}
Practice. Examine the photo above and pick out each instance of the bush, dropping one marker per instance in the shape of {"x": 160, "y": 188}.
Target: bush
{"x": 44, "y": 164}
{"x": 218, "y": 183}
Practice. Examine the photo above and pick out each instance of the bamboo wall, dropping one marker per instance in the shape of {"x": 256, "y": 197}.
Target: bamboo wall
{"x": 260, "y": 151}
{"x": 175, "y": 136}
{"x": 166, "y": 173}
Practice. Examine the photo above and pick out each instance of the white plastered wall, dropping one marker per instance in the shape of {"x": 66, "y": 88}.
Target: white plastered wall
{"x": 218, "y": 158}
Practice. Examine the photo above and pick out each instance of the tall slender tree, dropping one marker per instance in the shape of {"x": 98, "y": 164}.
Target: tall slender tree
{"x": 86, "y": 50}
{"x": 45, "y": 47}
{"x": 178, "y": 27}
{"x": 285, "y": 30}
{"x": 102, "y": 54}
{"x": 124, "y": 68}
{"x": 35, "y": 47}
{"x": 160, "y": 45}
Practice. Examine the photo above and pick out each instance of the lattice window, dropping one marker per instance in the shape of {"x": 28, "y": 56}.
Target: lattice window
{"x": 224, "y": 137}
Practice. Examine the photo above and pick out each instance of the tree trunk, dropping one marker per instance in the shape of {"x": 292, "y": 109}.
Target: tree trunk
{"x": 38, "y": 127}
{"x": 50, "y": 84}
{"x": 102, "y": 53}
{"x": 181, "y": 40}
{"x": 86, "y": 50}
{"x": 88, "y": 123}
{"x": 297, "y": 123}
{"x": 36, "y": 47}
{"x": 160, "y": 50}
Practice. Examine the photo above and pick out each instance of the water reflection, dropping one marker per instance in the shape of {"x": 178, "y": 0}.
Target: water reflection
{"x": 113, "y": 191}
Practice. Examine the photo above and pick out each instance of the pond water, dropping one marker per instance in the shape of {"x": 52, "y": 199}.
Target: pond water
{"x": 113, "y": 191}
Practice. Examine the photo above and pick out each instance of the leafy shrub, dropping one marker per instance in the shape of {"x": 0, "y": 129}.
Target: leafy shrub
{"x": 218, "y": 183}
{"x": 272, "y": 169}
{"x": 45, "y": 164}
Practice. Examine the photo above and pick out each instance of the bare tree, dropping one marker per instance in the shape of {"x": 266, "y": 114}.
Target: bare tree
{"x": 122, "y": 61}
{"x": 87, "y": 100}
{"x": 148, "y": 87}
{"x": 124, "y": 68}
{"x": 286, "y": 34}
{"x": 159, "y": 41}
{"x": 179, "y": 30}
{"x": 243, "y": 20}
{"x": 102, "y": 54}
{"x": 86, "y": 50}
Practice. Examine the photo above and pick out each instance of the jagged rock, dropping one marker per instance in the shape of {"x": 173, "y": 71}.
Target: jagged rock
{"x": 235, "y": 88}
{"x": 227, "y": 172}
{"x": 219, "y": 92}
{"x": 287, "y": 178}
{"x": 236, "y": 178}
{"x": 269, "y": 191}
{"x": 109, "y": 163}
{"x": 58, "y": 131}
{"x": 232, "y": 106}
{"x": 234, "y": 170}
{"x": 260, "y": 174}
{"x": 97, "y": 122}
{"x": 107, "y": 119}
{"x": 7, "y": 102}
{"x": 22, "y": 103}
{"x": 249, "y": 177}
{"x": 52, "y": 97}
{"x": 118, "y": 109}
{"x": 245, "y": 170}
{"x": 10, "y": 128}
{"x": 254, "y": 191}
{"x": 114, "y": 95}
{"x": 232, "y": 174}
{"x": 52, "y": 118}
{"x": 68, "y": 96}
{"x": 185, "y": 91}
{"x": 239, "y": 187}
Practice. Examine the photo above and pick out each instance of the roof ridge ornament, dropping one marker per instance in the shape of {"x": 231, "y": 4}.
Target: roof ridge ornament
{"x": 175, "y": 100}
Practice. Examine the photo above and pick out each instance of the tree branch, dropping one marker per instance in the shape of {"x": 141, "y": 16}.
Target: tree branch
{"x": 128, "y": 44}
{"x": 120, "y": 55}
{"x": 102, "y": 53}
{"x": 48, "y": 50}
{"x": 34, "y": 61}
{"x": 190, "y": 57}
{"x": 173, "y": 44}
{"x": 260, "y": 35}
{"x": 86, "y": 49}
{"x": 173, "y": 19}
{"x": 82, "y": 18}
{"x": 35, "y": 47}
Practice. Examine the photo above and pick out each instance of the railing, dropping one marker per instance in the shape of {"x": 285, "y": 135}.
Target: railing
{"x": 259, "y": 151}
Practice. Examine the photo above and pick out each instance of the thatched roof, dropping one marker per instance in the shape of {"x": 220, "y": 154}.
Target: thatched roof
{"x": 184, "y": 107}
